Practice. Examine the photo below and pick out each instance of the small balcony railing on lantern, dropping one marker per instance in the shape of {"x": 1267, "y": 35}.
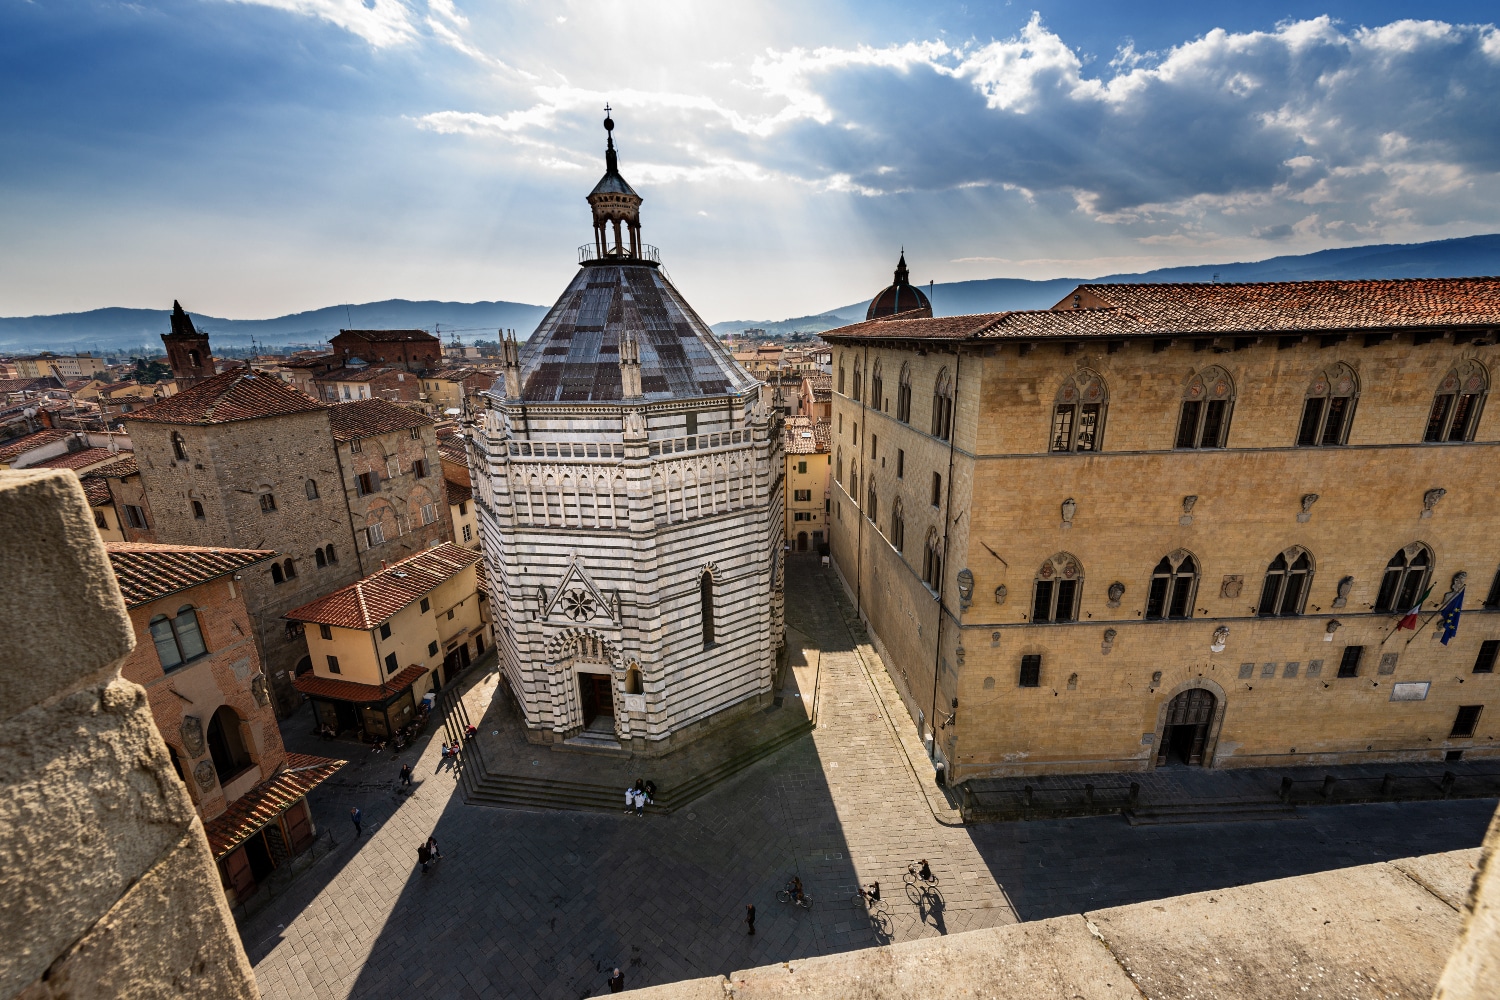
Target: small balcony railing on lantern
{"x": 590, "y": 252}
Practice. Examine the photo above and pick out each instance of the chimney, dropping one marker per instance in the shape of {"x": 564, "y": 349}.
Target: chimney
{"x": 511, "y": 358}
{"x": 630, "y": 368}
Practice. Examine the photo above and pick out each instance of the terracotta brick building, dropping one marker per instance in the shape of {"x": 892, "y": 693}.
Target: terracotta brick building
{"x": 414, "y": 350}
{"x": 196, "y": 657}
{"x": 1166, "y": 523}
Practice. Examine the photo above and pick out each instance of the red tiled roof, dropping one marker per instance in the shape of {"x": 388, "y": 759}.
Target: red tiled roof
{"x": 457, "y": 492}
{"x": 1185, "y": 309}
{"x": 240, "y": 394}
{"x": 45, "y": 382}
{"x": 148, "y": 572}
{"x": 361, "y": 373}
{"x": 320, "y": 361}
{"x": 77, "y": 459}
{"x": 803, "y": 437}
{"x": 267, "y": 800}
{"x": 367, "y": 417}
{"x": 454, "y": 450}
{"x": 389, "y": 336}
{"x": 327, "y": 687}
{"x": 118, "y": 470}
{"x": 96, "y": 488}
{"x": 367, "y": 603}
{"x": 16, "y": 447}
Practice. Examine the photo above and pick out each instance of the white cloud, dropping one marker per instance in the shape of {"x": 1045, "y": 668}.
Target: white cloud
{"x": 382, "y": 23}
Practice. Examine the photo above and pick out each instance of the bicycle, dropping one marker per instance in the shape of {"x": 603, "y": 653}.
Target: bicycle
{"x": 913, "y": 876}
{"x": 865, "y": 899}
{"x": 786, "y": 895}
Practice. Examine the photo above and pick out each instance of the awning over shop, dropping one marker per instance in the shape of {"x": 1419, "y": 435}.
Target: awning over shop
{"x": 327, "y": 687}
{"x": 263, "y": 803}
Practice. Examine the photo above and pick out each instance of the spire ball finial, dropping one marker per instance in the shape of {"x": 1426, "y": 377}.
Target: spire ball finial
{"x": 609, "y": 123}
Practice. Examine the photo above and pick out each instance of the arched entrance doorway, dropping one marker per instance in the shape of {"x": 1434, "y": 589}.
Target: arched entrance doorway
{"x": 801, "y": 541}
{"x": 1186, "y": 730}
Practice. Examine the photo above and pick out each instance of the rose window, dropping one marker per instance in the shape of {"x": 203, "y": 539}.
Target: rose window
{"x": 578, "y": 605}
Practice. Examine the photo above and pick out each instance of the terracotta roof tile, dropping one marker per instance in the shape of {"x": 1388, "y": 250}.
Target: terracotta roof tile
{"x": 458, "y": 492}
{"x": 147, "y": 571}
{"x": 77, "y": 459}
{"x": 804, "y": 437}
{"x": 360, "y": 373}
{"x": 241, "y": 394}
{"x": 16, "y": 447}
{"x": 367, "y": 603}
{"x": 454, "y": 450}
{"x": 367, "y": 417}
{"x": 267, "y": 800}
{"x": 327, "y": 687}
{"x": 96, "y": 488}
{"x": 1185, "y": 309}
{"x": 118, "y": 470}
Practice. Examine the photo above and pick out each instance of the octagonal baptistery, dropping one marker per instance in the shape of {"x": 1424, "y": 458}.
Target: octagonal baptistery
{"x": 627, "y": 480}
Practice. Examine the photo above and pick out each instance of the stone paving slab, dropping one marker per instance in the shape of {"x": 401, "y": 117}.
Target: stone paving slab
{"x": 542, "y": 904}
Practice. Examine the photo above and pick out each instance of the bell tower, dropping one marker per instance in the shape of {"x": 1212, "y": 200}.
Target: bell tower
{"x": 187, "y": 350}
{"x": 616, "y": 205}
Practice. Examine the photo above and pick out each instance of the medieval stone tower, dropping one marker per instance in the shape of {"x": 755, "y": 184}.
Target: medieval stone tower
{"x": 627, "y": 478}
{"x": 187, "y": 350}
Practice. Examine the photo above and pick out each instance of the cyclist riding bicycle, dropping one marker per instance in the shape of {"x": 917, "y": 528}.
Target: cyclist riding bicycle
{"x": 926, "y": 873}
{"x": 796, "y": 887}
{"x": 872, "y": 892}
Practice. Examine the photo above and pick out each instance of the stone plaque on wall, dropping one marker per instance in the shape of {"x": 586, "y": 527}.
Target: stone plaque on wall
{"x": 1232, "y": 586}
{"x": 204, "y": 774}
{"x": 1388, "y": 663}
{"x": 1410, "y": 691}
{"x": 192, "y": 735}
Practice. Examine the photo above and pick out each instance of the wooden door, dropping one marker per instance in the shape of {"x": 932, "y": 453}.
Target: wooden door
{"x": 237, "y": 868}
{"x": 299, "y": 833}
{"x": 1186, "y": 730}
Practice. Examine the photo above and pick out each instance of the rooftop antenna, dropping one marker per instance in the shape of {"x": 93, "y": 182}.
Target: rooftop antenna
{"x": 1216, "y": 277}
{"x": 929, "y": 296}
{"x": 349, "y": 316}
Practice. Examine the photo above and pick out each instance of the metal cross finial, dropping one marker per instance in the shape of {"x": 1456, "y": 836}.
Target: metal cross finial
{"x": 606, "y": 109}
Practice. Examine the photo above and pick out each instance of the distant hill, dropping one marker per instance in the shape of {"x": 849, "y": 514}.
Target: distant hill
{"x": 120, "y": 329}
{"x": 1470, "y": 256}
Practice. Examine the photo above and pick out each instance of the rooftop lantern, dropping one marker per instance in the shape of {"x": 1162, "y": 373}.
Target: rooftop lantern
{"x": 617, "y": 208}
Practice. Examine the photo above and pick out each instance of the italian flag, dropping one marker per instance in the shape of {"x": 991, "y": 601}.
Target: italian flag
{"x": 1410, "y": 621}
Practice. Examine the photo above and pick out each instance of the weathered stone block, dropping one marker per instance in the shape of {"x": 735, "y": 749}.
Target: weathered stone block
{"x": 54, "y": 561}
{"x": 88, "y": 803}
{"x": 1474, "y": 967}
{"x": 1360, "y": 931}
{"x": 1449, "y": 876}
{"x": 170, "y": 936}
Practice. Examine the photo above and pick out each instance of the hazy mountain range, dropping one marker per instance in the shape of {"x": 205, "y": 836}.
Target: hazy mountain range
{"x": 113, "y": 329}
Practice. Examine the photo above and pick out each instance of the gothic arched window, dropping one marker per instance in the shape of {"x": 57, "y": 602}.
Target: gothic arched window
{"x": 1078, "y": 416}
{"x": 871, "y": 504}
{"x": 932, "y": 561}
{"x": 1492, "y": 600}
{"x": 854, "y": 482}
{"x": 276, "y": 574}
{"x": 1173, "y": 583}
{"x": 319, "y": 558}
{"x": 942, "y": 406}
{"x": 903, "y": 395}
{"x": 1329, "y": 409}
{"x": 1055, "y": 594}
{"x": 1405, "y": 579}
{"x": 1206, "y": 406}
{"x": 858, "y": 380}
{"x": 898, "y": 525}
{"x": 841, "y": 374}
{"x": 1288, "y": 579}
{"x": 706, "y": 600}
{"x": 838, "y": 466}
{"x": 1455, "y": 408}
{"x": 330, "y": 554}
{"x": 227, "y": 744}
{"x": 877, "y": 386}
{"x": 179, "y": 447}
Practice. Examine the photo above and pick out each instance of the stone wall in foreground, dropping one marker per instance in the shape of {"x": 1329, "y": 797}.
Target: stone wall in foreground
{"x": 1376, "y": 931}
{"x": 108, "y": 884}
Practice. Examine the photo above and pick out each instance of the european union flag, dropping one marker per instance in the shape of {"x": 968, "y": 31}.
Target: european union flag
{"x": 1448, "y": 615}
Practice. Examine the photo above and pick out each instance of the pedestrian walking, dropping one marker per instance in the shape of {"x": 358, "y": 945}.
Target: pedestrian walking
{"x": 406, "y": 775}
{"x": 640, "y": 803}
{"x": 424, "y": 855}
{"x": 617, "y": 980}
{"x": 629, "y": 799}
{"x": 750, "y": 916}
{"x": 433, "y": 847}
{"x": 358, "y": 818}
{"x": 650, "y": 792}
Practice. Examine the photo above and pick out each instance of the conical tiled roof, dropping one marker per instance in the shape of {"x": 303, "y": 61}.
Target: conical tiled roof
{"x": 238, "y": 394}
{"x": 574, "y": 355}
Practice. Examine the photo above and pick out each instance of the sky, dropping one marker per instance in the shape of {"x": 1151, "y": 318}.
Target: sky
{"x": 258, "y": 157}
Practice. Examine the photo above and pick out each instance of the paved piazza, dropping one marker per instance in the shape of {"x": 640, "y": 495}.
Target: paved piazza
{"x": 543, "y": 904}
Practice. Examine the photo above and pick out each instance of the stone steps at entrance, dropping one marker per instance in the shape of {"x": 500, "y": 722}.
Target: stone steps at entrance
{"x": 515, "y": 791}
{"x": 1208, "y": 811}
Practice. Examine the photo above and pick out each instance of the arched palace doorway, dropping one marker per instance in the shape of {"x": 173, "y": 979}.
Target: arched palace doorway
{"x": 1185, "y": 732}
